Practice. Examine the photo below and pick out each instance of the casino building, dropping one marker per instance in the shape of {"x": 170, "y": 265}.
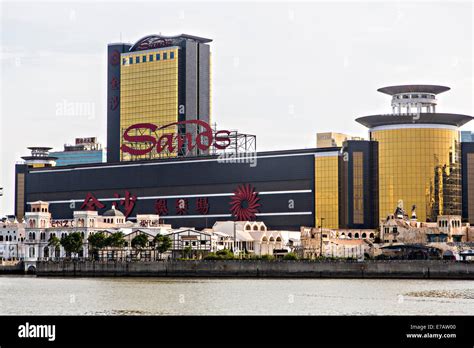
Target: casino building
{"x": 158, "y": 80}
{"x": 164, "y": 158}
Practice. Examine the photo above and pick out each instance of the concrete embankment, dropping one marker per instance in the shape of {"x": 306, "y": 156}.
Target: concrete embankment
{"x": 17, "y": 268}
{"x": 416, "y": 269}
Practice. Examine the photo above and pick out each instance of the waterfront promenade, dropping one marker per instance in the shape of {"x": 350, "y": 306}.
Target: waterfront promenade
{"x": 414, "y": 269}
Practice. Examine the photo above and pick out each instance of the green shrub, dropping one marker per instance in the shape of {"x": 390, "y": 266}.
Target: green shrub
{"x": 267, "y": 257}
{"x": 290, "y": 256}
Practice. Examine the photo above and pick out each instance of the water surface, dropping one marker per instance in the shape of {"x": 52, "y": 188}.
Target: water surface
{"x": 29, "y": 295}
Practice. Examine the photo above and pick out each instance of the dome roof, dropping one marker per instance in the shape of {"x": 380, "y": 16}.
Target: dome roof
{"x": 113, "y": 212}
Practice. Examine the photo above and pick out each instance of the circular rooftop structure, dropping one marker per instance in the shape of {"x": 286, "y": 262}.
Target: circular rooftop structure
{"x": 414, "y": 105}
{"x": 455, "y": 120}
{"x": 402, "y": 89}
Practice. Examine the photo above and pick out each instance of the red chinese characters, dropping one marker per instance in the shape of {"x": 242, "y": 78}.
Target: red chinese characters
{"x": 202, "y": 206}
{"x": 181, "y": 206}
{"x": 91, "y": 203}
{"x": 114, "y": 103}
{"x": 114, "y": 83}
{"x": 161, "y": 207}
{"x": 128, "y": 202}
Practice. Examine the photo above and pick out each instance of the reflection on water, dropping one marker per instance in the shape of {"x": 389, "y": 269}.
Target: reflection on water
{"x": 28, "y": 295}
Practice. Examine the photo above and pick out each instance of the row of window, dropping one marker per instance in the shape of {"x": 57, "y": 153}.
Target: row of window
{"x": 7, "y": 238}
{"x": 148, "y": 58}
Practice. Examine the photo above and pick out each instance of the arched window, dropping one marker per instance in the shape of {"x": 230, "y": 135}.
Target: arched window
{"x": 32, "y": 252}
{"x": 255, "y": 228}
{"x": 1, "y": 238}
{"x": 364, "y": 235}
{"x": 371, "y": 235}
{"x": 262, "y": 228}
{"x": 349, "y": 235}
{"x": 248, "y": 228}
{"x": 356, "y": 235}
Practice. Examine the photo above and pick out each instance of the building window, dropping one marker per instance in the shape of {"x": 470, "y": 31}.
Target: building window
{"x": 137, "y": 59}
{"x": 123, "y": 61}
{"x": 157, "y": 56}
{"x": 171, "y": 55}
{"x": 165, "y": 56}
{"x": 144, "y": 59}
{"x": 130, "y": 60}
{"x": 151, "y": 57}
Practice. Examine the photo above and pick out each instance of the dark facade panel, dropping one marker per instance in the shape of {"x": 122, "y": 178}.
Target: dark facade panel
{"x": 467, "y": 170}
{"x": 285, "y": 185}
{"x": 113, "y": 99}
{"x": 204, "y": 83}
{"x": 368, "y": 151}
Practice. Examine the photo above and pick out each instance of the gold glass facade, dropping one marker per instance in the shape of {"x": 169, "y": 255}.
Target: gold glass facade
{"x": 420, "y": 166}
{"x": 358, "y": 187}
{"x": 327, "y": 191}
{"x": 149, "y": 94}
{"x": 470, "y": 187}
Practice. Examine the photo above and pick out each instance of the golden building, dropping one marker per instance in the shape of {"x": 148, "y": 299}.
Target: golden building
{"x": 327, "y": 189}
{"x": 149, "y": 94}
{"x": 419, "y": 159}
{"x": 155, "y": 87}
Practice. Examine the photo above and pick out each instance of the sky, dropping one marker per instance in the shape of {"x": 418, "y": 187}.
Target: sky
{"x": 281, "y": 70}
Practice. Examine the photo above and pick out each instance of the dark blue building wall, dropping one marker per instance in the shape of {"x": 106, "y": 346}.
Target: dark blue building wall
{"x": 275, "y": 173}
{"x": 369, "y": 150}
{"x": 466, "y": 148}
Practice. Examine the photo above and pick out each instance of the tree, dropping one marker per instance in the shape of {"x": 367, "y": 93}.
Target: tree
{"x": 162, "y": 243}
{"x": 72, "y": 243}
{"x": 97, "y": 241}
{"x": 116, "y": 240}
{"x": 139, "y": 242}
{"x": 54, "y": 241}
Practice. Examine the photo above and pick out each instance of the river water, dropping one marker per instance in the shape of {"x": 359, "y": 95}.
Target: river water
{"x": 28, "y": 295}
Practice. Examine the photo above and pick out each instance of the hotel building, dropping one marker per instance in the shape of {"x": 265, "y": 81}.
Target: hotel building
{"x": 158, "y": 80}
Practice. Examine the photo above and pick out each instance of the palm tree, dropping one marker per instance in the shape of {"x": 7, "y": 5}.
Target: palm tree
{"x": 54, "y": 242}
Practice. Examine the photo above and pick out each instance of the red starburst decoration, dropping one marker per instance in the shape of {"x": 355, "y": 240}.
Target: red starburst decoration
{"x": 244, "y": 204}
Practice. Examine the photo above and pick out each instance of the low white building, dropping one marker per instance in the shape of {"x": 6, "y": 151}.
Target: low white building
{"x": 12, "y": 235}
{"x": 253, "y": 237}
{"x": 40, "y": 228}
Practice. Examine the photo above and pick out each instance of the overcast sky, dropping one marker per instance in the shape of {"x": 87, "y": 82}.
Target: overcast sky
{"x": 282, "y": 71}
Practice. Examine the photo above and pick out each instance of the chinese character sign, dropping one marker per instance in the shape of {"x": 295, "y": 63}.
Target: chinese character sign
{"x": 181, "y": 206}
{"x": 91, "y": 203}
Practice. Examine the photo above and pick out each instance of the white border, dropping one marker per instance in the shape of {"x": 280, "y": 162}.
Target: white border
{"x": 183, "y": 196}
{"x": 130, "y": 164}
